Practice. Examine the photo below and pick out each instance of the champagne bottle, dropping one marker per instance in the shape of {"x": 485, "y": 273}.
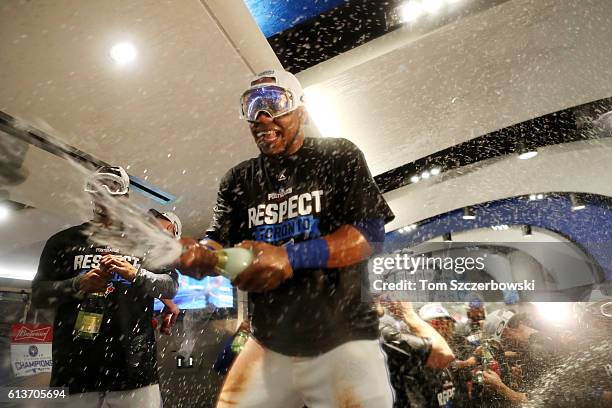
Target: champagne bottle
{"x": 232, "y": 261}
{"x": 90, "y": 315}
{"x": 487, "y": 355}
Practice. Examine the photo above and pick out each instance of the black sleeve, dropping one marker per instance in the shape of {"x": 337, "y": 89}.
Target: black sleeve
{"x": 356, "y": 189}
{"x": 48, "y": 288}
{"x": 223, "y": 214}
{"x": 162, "y": 284}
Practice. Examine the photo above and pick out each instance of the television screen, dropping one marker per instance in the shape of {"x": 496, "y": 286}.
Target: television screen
{"x": 198, "y": 294}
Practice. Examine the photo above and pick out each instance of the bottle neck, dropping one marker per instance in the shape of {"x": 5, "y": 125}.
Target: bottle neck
{"x": 222, "y": 258}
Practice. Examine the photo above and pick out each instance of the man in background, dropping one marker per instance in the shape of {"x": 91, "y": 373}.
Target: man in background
{"x": 116, "y": 362}
{"x": 171, "y": 223}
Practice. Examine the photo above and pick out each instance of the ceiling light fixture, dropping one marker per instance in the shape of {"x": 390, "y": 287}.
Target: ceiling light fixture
{"x": 435, "y": 171}
{"x": 526, "y": 230}
{"x": 415, "y": 179}
{"x": 425, "y": 175}
{"x": 528, "y": 155}
{"x": 577, "y": 203}
{"x": 123, "y": 53}
{"x": 408, "y": 228}
{"x": 468, "y": 213}
{"x": 524, "y": 152}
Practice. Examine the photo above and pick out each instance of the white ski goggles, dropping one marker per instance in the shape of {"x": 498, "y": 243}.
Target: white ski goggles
{"x": 113, "y": 184}
{"x": 271, "y": 99}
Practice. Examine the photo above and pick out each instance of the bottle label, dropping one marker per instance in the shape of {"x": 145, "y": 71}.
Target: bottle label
{"x": 88, "y": 324}
{"x": 239, "y": 342}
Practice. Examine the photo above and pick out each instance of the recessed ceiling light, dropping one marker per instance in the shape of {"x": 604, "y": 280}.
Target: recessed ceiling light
{"x": 425, "y": 175}
{"x": 124, "y": 52}
{"x": 435, "y": 171}
{"x": 415, "y": 179}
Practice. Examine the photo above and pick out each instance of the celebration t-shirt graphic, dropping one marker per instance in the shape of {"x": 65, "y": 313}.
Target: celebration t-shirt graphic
{"x": 84, "y": 262}
{"x": 288, "y": 219}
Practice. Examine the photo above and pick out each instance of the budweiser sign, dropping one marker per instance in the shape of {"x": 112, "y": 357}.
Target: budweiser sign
{"x": 31, "y": 333}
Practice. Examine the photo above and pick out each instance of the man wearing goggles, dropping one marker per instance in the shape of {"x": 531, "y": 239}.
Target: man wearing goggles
{"x": 275, "y": 112}
{"x": 312, "y": 215}
{"x": 105, "y": 185}
{"x": 117, "y": 365}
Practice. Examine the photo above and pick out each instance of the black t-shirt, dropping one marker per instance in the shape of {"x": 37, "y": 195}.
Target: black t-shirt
{"x": 323, "y": 186}
{"x": 430, "y": 388}
{"x": 123, "y": 355}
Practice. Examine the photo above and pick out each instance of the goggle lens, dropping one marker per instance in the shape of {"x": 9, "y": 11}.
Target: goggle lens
{"x": 273, "y": 100}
